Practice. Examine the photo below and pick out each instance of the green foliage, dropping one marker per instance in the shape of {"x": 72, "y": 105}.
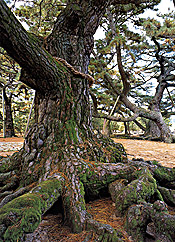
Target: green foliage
{"x": 21, "y": 95}
{"x": 40, "y": 15}
{"x": 125, "y": 28}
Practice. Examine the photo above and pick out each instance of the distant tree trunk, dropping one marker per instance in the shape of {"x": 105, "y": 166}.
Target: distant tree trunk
{"x": 140, "y": 125}
{"x": 106, "y": 127}
{"x": 1, "y": 118}
{"x": 9, "y": 126}
{"x": 155, "y": 131}
{"x": 107, "y": 123}
{"x": 127, "y": 129}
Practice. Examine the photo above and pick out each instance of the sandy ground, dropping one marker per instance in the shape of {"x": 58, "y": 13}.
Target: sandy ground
{"x": 9, "y": 145}
{"x": 148, "y": 150}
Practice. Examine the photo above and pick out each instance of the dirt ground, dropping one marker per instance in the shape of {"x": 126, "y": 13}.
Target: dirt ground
{"x": 148, "y": 150}
{"x": 9, "y": 145}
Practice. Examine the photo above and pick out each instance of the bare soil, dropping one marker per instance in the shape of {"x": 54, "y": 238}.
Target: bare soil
{"x": 10, "y": 145}
{"x": 150, "y": 150}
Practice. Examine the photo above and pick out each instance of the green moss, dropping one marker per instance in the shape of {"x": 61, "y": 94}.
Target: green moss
{"x": 23, "y": 214}
{"x": 9, "y": 164}
{"x": 168, "y": 195}
{"x": 70, "y": 126}
{"x": 27, "y": 224}
{"x": 4, "y": 167}
{"x": 167, "y": 227}
{"x": 76, "y": 7}
{"x": 154, "y": 162}
{"x": 164, "y": 174}
{"x": 94, "y": 185}
{"x": 82, "y": 189}
{"x": 139, "y": 190}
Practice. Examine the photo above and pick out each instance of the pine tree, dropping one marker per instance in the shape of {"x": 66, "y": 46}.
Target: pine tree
{"x": 136, "y": 64}
{"x": 61, "y": 156}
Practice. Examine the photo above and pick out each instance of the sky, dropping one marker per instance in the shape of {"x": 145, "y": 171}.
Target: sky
{"x": 164, "y": 5}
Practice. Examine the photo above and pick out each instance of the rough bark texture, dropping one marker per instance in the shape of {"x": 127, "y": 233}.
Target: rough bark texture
{"x": 61, "y": 156}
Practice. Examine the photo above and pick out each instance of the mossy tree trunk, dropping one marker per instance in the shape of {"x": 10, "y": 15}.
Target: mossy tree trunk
{"x": 61, "y": 155}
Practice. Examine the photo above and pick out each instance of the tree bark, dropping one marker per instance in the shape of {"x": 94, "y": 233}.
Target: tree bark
{"x": 61, "y": 155}
{"x": 61, "y": 141}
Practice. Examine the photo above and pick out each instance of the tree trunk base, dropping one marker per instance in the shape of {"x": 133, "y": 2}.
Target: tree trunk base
{"x": 83, "y": 170}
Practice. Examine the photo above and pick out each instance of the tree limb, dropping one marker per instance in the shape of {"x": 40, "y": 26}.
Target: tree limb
{"x": 119, "y": 119}
{"x": 25, "y": 49}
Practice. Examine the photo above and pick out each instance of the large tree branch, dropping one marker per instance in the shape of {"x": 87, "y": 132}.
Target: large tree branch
{"x": 35, "y": 60}
{"x": 25, "y": 49}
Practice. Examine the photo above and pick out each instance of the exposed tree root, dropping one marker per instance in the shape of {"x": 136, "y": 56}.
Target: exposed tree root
{"x": 135, "y": 186}
{"x": 23, "y": 214}
{"x": 142, "y": 200}
{"x": 9, "y": 196}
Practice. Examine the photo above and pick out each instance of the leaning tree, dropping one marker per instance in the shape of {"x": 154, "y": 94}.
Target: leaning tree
{"x": 61, "y": 156}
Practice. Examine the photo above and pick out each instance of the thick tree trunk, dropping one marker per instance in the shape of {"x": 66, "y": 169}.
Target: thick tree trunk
{"x": 61, "y": 155}
{"x": 61, "y": 144}
{"x": 9, "y": 127}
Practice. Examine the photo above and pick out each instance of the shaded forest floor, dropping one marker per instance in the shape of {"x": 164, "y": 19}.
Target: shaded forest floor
{"x": 51, "y": 228}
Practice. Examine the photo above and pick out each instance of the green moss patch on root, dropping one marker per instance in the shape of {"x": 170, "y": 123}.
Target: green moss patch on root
{"x": 23, "y": 214}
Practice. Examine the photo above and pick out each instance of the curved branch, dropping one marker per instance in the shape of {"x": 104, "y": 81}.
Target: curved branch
{"x": 119, "y": 119}
{"x": 126, "y": 84}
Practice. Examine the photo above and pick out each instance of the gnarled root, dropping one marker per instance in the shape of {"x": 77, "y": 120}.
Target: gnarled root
{"x": 142, "y": 201}
{"x": 23, "y": 214}
{"x": 151, "y": 220}
{"x": 134, "y": 188}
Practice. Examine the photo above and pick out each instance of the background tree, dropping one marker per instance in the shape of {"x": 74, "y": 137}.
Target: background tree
{"x": 17, "y": 96}
{"x": 9, "y": 72}
{"x": 136, "y": 65}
